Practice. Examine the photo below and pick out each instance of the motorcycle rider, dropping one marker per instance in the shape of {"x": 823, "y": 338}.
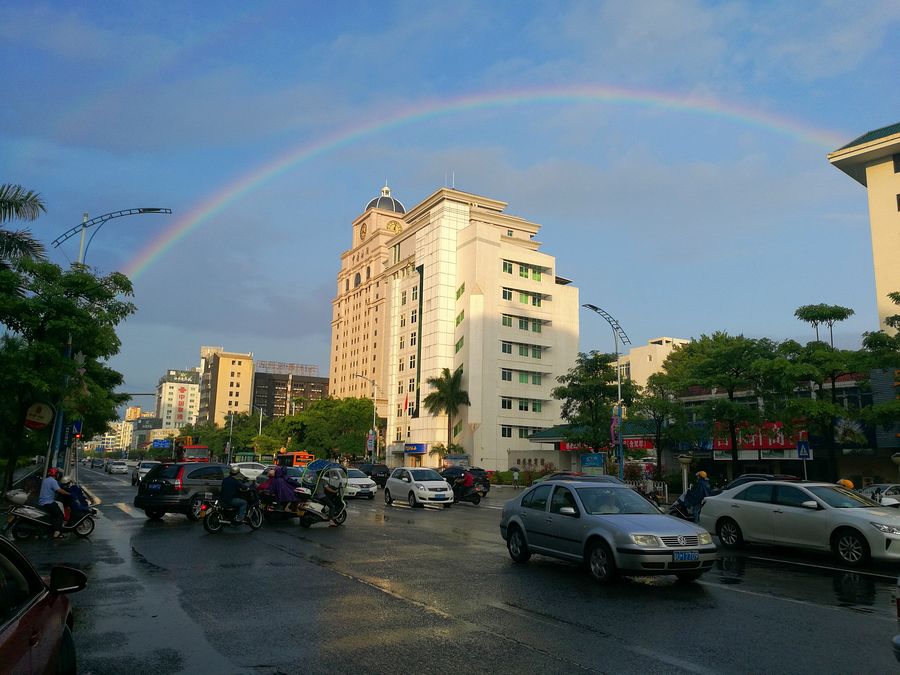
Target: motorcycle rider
{"x": 230, "y": 494}
{"x": 50, "y": 490}
{"x": 694, "y": 497}
{"x": 331, "y": 487}
{"x": 282, "y": 488}
{"x": 463, "y": 483}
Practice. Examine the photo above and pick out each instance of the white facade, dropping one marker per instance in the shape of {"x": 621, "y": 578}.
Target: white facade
{"x": 642, "y": 362}
{"x": 178, "y": 398}
{"x": 461, "y": 285}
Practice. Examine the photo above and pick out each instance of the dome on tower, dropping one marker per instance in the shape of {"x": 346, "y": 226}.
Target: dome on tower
{"x": 386, "y": 202}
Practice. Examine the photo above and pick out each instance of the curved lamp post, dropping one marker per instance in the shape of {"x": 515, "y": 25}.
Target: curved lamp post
{"x": 618, "y": 334}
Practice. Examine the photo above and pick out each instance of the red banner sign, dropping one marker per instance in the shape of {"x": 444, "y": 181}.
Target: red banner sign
{"x": 770, "y": 436}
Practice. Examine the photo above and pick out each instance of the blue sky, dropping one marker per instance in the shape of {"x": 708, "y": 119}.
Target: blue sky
{"x": 677, "y": 221}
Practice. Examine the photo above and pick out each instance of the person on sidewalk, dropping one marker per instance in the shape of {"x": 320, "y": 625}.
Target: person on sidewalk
{"x": 515, "y": 477}
{"x": 50, "y": 490}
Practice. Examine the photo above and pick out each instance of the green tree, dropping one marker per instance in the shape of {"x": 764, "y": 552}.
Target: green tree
{"x": 447, "y": 397}
{"x": 816, "y": 315}
{"x": 17, "y": 203}
{"x": 589, "y": 392}
{"x": 58, "y": 307}
{"x": 658, "y": 404}
{"x": 336, "y": 426}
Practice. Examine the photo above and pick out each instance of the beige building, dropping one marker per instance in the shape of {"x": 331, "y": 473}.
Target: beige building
{"x": 873, "y": 160}
{"x": 453, "y": 283}
{"x": 642, "y": 362}
{"x": 226, "y": 384}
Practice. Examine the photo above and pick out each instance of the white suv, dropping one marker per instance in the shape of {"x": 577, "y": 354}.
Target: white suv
{"x": 417, "y": 486}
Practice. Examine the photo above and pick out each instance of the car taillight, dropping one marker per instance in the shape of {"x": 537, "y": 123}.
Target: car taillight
{"x": 178, "y": 484}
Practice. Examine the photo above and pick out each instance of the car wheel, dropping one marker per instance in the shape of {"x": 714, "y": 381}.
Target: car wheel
{"x": 67, "y": 662}
{"x": 600, "y": 562}
{"x": 689, "y": 576}
{"x": 85, "y": 527}
{"x": 850, "y": 547}
{"x": 729, "y": 533}
{"x": 154, "y": 514}
{"x": 387, "y": 497}
{"x": 371, "y": 496}
{"x": 254, "y": 517}
{"x": 195, "y": 508}
{"x": 515, "y": 544}
{"x": 447, "y": 506}
{"x": 411, "y": 500}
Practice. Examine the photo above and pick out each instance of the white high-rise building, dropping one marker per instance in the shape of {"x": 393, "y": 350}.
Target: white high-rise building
{"x": 178, "y": 398}
{"x": 453, "y": 283}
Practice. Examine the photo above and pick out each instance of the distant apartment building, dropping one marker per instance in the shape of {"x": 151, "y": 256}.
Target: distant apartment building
{"x": 642, "y": 362}
{"x": 453, "y": 283}
{"x": 132, "y": 413}
{"x": 178, "y": 398}
{"x": 226, "y": 384}
{"x": 282, "y": 389}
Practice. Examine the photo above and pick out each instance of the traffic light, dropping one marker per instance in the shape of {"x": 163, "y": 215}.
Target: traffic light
{"x": 77, "y": 437}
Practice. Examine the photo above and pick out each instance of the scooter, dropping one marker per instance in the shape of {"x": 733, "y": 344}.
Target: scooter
{"x": 468, "y": 494}
{"x": 216, "y": 515}
{"x": 314, "y": 510}
{"x": 679, "y": 509}
{"x": 25, "y": 521}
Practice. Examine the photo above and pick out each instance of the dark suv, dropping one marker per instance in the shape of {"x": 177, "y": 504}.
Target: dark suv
{"x": 178, "y": 488}
{"x": 377, "y": 472}
{"x": 451, "y": 473}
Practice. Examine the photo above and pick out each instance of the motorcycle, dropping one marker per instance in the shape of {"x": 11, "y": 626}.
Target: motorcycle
{"x": 471, "y": 494}
{"x": 679, "y": 509}
{"x": 216, "y": 515}
{"x": 313, "y": 507}
{"x": 25, "y": 521}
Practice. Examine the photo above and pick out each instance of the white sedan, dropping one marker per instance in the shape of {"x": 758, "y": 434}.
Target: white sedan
{"x": 805, "y": 515}
{"x": 417, "y": 486}
{"x": 360, "y": 485}
{"x": 251, "y": 469}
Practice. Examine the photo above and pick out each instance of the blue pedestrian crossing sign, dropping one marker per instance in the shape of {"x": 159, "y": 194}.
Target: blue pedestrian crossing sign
{"x": 803, "y": 451}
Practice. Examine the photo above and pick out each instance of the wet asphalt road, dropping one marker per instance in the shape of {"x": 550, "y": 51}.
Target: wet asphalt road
{"x": 430, "y": 590}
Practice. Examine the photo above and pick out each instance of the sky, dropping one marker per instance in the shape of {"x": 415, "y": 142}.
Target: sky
{"x": 673, "y": 151}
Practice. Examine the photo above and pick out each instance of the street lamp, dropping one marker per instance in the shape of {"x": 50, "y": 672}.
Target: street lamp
{"x": 57, "y": 436}
{"x": 374, "y": 413}
{"x": 230, "y": 431}
{"x": 260, "y": 419}
{"x": 617, "y": 334}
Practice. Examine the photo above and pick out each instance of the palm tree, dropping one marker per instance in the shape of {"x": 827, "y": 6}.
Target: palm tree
{"x": 17, "y": 203}
{"x": 447, "y": 397}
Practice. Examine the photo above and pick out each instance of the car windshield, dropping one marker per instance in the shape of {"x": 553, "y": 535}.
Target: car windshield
{"x": 608, "y": 500}
{"x": 840, "y": 498}
{"x": 356, "y": 473}
{"x": 294, "y": 472}
{"x": 164, "y": 471}
{"x": 425, "y": 474}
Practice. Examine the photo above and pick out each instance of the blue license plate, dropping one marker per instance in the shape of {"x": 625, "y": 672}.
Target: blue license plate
{"x": 686, "y": 556}
{"x": 363, "y": 492}
{"x": 153, "y": 487}
{"x": 440, "y": 496}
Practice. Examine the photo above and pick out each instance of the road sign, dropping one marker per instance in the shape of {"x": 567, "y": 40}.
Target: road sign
{"x": 803, "y": 451}
{"x": 38, "y": 416}
{"x": 370, "y": 441}
{"x": 76, "y": 426}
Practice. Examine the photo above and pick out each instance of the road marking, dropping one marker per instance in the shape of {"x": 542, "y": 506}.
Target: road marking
{"x": 130, "y": 510}
{"x": 822, "y": 567}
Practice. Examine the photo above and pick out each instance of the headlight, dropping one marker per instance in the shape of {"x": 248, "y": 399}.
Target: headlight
{"x": 419, "y": 486}
{"x": 887, "y": 529}
{"x": 646, "y": 540}
{"x": 705, "y": 538}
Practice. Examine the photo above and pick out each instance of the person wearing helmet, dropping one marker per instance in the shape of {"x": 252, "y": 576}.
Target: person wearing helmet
{"x": 230, "y": 494}
{"x": 843, "y": 482}
{"x": 50, "y": 490}
{"x": 694, "y": 497}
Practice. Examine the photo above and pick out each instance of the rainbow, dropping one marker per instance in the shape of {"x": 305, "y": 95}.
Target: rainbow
{"x": 238, "y": 188}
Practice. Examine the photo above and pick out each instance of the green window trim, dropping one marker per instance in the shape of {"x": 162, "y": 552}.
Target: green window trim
{"x": 460, "y": 317}
{"x": 523, "y": 350}
{"x": 507, "y": 320}
{"x": 460, "y": 290}
{"x": 536, "y": 274}
{"x": 536, "y": 406}
{"x": 459, "y": 343}
{"x": 536, "y": 378}
{"x": 457, "y": 428}
{"x": 523, "y": 378}
{"x": 507, "y": 267}
{"x": 536, "y": 352}
{"x": 524, "y": 298}
{"x": 536, "y": 326}
{"x": 523, "y": 271}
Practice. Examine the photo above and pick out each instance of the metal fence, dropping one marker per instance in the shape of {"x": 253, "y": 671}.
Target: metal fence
{"x": 648, "y": 486}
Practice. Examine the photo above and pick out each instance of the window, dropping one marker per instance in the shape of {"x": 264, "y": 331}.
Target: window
{"x": 759, "y": 492}
{"x": 411, "y": 385}
{"x": 459, "y": 343}
{"x": 415, "y": 292}
{"x": 399, "y": 411}
{"x": 399, "y": 387}
{"x": 896, "y": 163}
{"x": 402, "y": 343}
{"x": 506, "y": 432}
{"x": 536, "y": 378}
{"x": 507, "y": 320}
{"x": 507, "y": 267}
{"x": 506, "y": 403}
{"x": 19, "y": 587}
{"x": 457, "y": 428}
{"x": 562, "y": 497}
{"x": 790, "y": 496}
{"x": 460, "y": 291}
{"x": 412, "y": 339}
{"x": 523, "y": 402}
{"x": 523, "y": 350}
{"x": 400, "y": 368}
{"x": 506, "y": 374}
{"x": 536, "y": 274}
{"x": 460, "y": 317}
{"x": 413, "y": 316}
{"x": 412, "y": 361}
{"x": 506, "y": 347}
{"x": 396, "y": 253}
{"x": 537, "y": 498}
{"x": 523, "y": 324}
{"x": 523, "y": 378}
{"x": 536, "y": 300}
{"x": 523, "y": 432}
{"x": 523, "y": 298}
{"x": 509, "y": 233}
{"x": 402, "y": 320}
{"x": 536, "y": 326}
{"x": 523, "y": 271}
{"x": 356, "y": 280}
{"x": 403, "y": 297}
{"x": 898, "y": 202}
{"x": 535, "y": 352}
{"x": 536, "y": 406}
{"x": 507, "y": 294}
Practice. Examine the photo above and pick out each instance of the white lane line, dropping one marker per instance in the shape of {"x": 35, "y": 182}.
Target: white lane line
{"x": 130, "y": 510}
{"x": 822, "y": 567}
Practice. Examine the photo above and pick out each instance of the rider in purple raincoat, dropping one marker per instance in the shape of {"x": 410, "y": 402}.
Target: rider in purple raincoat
{"x": 281, "y": 486}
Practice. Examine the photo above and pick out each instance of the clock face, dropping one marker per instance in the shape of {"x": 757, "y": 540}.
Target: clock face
{"x": 362, "y": 231}
{"x": 395, "y": 227}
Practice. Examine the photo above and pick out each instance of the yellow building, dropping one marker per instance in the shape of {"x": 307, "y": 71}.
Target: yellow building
{"x": 873, "y": 160}
{"x": 642, "y": 362}
{"x": 226, "y": 384}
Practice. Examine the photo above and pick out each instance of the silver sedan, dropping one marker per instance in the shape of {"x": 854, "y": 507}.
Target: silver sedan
{"x": 608, "y": 526}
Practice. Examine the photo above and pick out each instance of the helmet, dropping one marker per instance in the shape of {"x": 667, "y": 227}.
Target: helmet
{"x": 234, "y": 470}
{"x": 66, "y": 479}
{"x": 701, "y": 474}
{"x": 843, "y": 482}
{"x": 52, "y": 472}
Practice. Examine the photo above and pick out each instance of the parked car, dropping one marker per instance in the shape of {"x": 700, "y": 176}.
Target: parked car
{"x": 377, "y": 472}
{"x": 178, "y": 488}
{"x": 417, "y": 486}
{"x": 97, "y": 463}
{"x": 756, "y": 477}
{"x": 360, "y": 485}
{"x": 606, "y": 525}
{"x": 141, "y": 470}
{"x": 117, "y": 466}
{"x": 451, "y": 473}
{"x": 818, "y": 516}
{"x": 882, "y": 489}
{"x": 35, "y": 616}
{"x": 251, "y": 469}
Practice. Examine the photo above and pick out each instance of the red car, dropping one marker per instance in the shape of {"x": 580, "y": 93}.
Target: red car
{"x": 35, "y": 616}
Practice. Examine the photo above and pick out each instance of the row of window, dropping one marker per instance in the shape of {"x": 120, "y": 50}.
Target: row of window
{"x": 413, "y": 317}
{"x": 524, "y": 376}
{"x": 412, "y": 362}
{"x": 414, "y": 294}
{"x": 524, "y": 270}
{"x": 525, "y": 298}
{"x": 524, "y": 324}
{"x": 460, "y": 290}
{"x": 411, "y": 386}
{"x": 506, "y": 431}
{"x": 524, "y": 404}
{"x": 534, "y": 351}
{"x": 412, "y": 340}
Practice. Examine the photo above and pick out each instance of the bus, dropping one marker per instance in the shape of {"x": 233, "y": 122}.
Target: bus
{"x": 294, "y": 458}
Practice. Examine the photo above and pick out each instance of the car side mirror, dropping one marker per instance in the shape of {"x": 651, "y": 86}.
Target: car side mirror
{"x": 890, "y": 501}
{"x": 66, "y": 579}
{"x": 568, "y": 511}
{"x": 811, "y": 504}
